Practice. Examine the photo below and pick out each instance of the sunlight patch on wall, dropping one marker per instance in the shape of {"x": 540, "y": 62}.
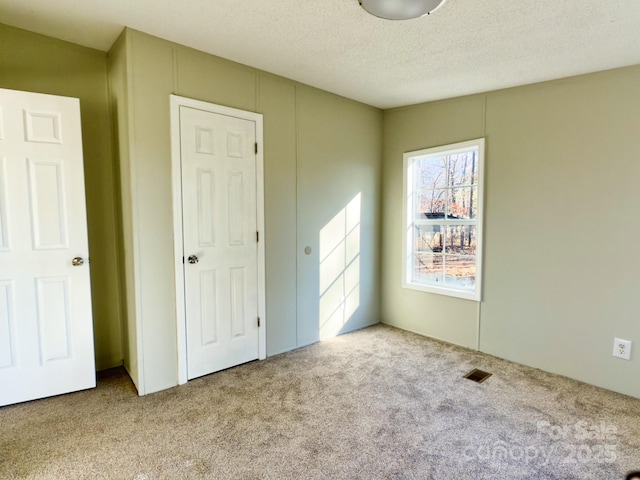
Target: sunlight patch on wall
{"x": 340, "y": 269}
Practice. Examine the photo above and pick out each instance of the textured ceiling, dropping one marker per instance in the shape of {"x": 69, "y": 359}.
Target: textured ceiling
{"x": 467, "y": 46}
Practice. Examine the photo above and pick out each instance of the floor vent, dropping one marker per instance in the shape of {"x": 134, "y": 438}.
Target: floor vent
{"x": 478, "y": 376}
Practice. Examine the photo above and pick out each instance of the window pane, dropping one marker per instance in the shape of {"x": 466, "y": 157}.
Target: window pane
{"x": 463, "y": 202}
{"x": 430, "y": 204}
{"x": 463, "y": 168}
{"x": 427, "y": 269}
{"x": 460, "y": 239}
{"x": 430, "y": 172}
{"x": 460, "y": 272}
{"x": 428, "y": 238}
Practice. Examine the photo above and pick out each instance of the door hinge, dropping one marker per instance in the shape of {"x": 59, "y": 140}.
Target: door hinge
{"x": 258, "y": 321}
{"x": 183, "y": 259}
{"x": 257, "y": 236}
{"x": 256, "y": 147}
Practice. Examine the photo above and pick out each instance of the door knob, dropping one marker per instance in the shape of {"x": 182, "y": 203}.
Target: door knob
{"x": 192, "y": 259}
{"x": 77, "y": 261}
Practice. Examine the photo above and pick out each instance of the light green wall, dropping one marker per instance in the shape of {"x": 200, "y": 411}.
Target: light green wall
{"x": 277, "y": 103}
{"x": 339, "y": 145}
{"x": 41, "y": 64}
{"x": 118, "y": 72}
{"x": 151, "y": 81}
{"x": 318, "y": 148}
{"x": 407, "y": 129}
{"x": 561, "y": 225}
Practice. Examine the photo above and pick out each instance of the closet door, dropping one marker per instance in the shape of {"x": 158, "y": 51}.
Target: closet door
{"x": 46, "y": 328}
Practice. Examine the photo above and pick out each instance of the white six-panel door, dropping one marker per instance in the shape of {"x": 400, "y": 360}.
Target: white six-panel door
{"x": 219, "y": 216}
{"x": 46, "y": 330}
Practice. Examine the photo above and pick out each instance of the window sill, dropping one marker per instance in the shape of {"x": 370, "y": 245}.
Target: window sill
{"x": 450, "y": 292}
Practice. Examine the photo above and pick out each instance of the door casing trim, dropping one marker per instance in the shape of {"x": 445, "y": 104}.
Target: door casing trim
{"x": 176, "y": 192}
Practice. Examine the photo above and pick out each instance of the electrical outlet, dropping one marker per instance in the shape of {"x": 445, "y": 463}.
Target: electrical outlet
{"x": 622, "y": 348}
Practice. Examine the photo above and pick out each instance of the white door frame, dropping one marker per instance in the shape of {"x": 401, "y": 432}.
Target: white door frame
{"x": 176, "y": 174}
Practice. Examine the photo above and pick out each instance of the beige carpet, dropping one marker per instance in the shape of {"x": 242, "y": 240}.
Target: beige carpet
{"x": 375, "y": 404}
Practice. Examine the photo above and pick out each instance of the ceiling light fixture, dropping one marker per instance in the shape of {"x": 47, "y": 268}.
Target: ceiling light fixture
{"x": 400, "y": 9}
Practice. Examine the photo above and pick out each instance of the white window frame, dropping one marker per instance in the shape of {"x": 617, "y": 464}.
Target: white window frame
{"x": 408, "y": 222}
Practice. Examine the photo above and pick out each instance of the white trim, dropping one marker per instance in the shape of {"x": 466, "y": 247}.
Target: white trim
{"x": 407, "y": 214}
{"x": 176, "y": 194}
{"x": 262, "y": 297}
{"x": 176, "y": 184}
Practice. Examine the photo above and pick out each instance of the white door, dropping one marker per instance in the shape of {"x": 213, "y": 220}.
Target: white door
{"x": 46, "y": 329}
{"x": 219, "y": 213}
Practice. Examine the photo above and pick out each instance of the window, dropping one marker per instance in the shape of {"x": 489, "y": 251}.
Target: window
{"x": 443, "y": 219}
